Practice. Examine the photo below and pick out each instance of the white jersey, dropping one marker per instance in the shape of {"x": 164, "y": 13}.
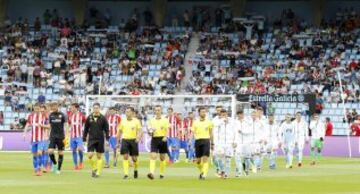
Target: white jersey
{"x": 272, "y": 133}
{"x": 256, "y": 129}
{"x": 287, "y": 131}
{"x": 243, "y": 134}
{"x": 317, "y": 129}
{"x": 223, "y": 132}
{"x": 301, "y": 131}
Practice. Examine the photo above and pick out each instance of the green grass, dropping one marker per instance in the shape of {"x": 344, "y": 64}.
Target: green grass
{"x": 332, "y": 175}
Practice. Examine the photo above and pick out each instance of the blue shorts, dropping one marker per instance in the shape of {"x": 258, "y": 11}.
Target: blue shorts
{"x": 173, "y": 142}
{"x": 112, "y": 142}
{"x": 37, "y": 146}
{"x": 76, "y": 143}
{"x": 183, "y": 145}
{"x": 46, "y": 145}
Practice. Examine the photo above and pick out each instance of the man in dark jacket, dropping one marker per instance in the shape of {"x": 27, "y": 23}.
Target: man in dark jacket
{"x": 96, "y": 130}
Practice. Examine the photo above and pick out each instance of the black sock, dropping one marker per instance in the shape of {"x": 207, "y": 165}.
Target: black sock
{"x": 244, "y": 166}
{"x": 52, "y": 158}
{"x": 61, "y": 158}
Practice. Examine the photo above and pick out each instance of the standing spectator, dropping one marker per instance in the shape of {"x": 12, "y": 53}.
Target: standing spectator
{"x": 24, "y": 72}
{"x": 1, "y": 118}
{"x": 329, "y": 127}
{"x": 186, "y": 18}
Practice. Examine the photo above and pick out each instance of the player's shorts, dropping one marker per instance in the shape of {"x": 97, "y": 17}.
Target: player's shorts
{"x": 57, "y": 143}
{"x": 96, "y": 146}
{"x": 37, "y": 146}
{"x": 129, "y": 146}
{"x": 76, "y": 143}
{"x": 271, "y": 147}
{"x": 158, "y": 145}
{"x": 46, "y": 145}
{"x": 289, "y": 146}
{"x": 317, "y": 143}
{"x": 243, "y": 150}
{"x": 255, "y": 148}
{"x": 202, "y": 148}
{"x": 113, "y": 142}
{"x": 184, "y": 145}
{"x": 173, "y": 142}
{"x": 223, "y": 150}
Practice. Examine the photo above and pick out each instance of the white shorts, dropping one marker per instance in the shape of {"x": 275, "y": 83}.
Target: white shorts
{"x": 223, "y": 150}
{"x": 243, "y": 150}
{"x": 255, "y": 148}
{"x": 270, "y": 147}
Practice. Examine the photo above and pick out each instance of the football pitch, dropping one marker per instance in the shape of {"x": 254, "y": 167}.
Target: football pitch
{"x": 332, "y": 175}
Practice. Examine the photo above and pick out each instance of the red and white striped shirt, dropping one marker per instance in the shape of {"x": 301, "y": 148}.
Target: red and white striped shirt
{"x": 35, "y": 120}
{"x": 76, "y": 122}
{"x": 114, "y": 122}
{"x": 174, "y": 126}
{"x": 186, "y": 126}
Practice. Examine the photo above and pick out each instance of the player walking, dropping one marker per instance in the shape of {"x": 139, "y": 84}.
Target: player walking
{"x": 114, "y": 121}
{"x": 287, "y": 131}
{"x": 317, "y": 128}
{"x": 35, "y": 121}
{"x": 223, "y": 134}
{"x": 57, "y": 122}
{"x": 76, "y": 121}
{"x": 301, "y": 136}
{"x": 272, "y": 140}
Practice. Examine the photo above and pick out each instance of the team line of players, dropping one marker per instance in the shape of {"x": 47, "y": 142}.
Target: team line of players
{"x": 247, "y": 140}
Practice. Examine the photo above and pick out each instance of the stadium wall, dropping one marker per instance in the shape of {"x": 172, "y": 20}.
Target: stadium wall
{"x": 123, "y": 9}
{"x": 334, "y": 146}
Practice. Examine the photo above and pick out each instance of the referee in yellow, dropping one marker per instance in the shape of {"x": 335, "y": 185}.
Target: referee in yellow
{"x": 202, "y": 130}
{"x": 129, "y": 132}
{"x": 158, "y": 129}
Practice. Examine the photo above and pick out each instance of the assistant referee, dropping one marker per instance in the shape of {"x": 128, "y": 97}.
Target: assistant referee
{"x": 96, "y": 130}
{"x": 202, "y": 130}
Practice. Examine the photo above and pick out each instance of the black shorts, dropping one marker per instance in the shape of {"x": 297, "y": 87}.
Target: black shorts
{"x": 96, "y": 146}
{"x": 202, "y": 148}
{"x": 129, "y": 146}
{"x": 158, "y": 145}
{"x": 57, "y": 143}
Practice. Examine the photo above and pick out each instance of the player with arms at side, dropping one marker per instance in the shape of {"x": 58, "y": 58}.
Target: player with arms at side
{"x": 317, "y": 128}
{"x": 190, "y": 155}
{"x": 272, "y": 140}
{"x": 96, "y": 130}
{"x": 56, "y": 125}
{"x": 76, "y": 122}
{"x": 215, "y": 160}
{"x": 223, "y": 134}
{"x": 287, "y": 131}
{"x": 301, "y": 136}
{"x": 114, "y": 121}
{"x": 242, "y": 145}
{"x": 35, "y": 121}
{"x": 158, "y": 129}
{"x": 202, "y": 130}
{"x": 46, "y": 163}
{"x": 173, "y": 141}
{"x": 130, "y": 134}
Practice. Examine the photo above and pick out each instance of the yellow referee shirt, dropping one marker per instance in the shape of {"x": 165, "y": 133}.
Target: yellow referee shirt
{"x": 160, "y": 126}
{"x": 130, "y": 128}
{"x": 202, "y": 129}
